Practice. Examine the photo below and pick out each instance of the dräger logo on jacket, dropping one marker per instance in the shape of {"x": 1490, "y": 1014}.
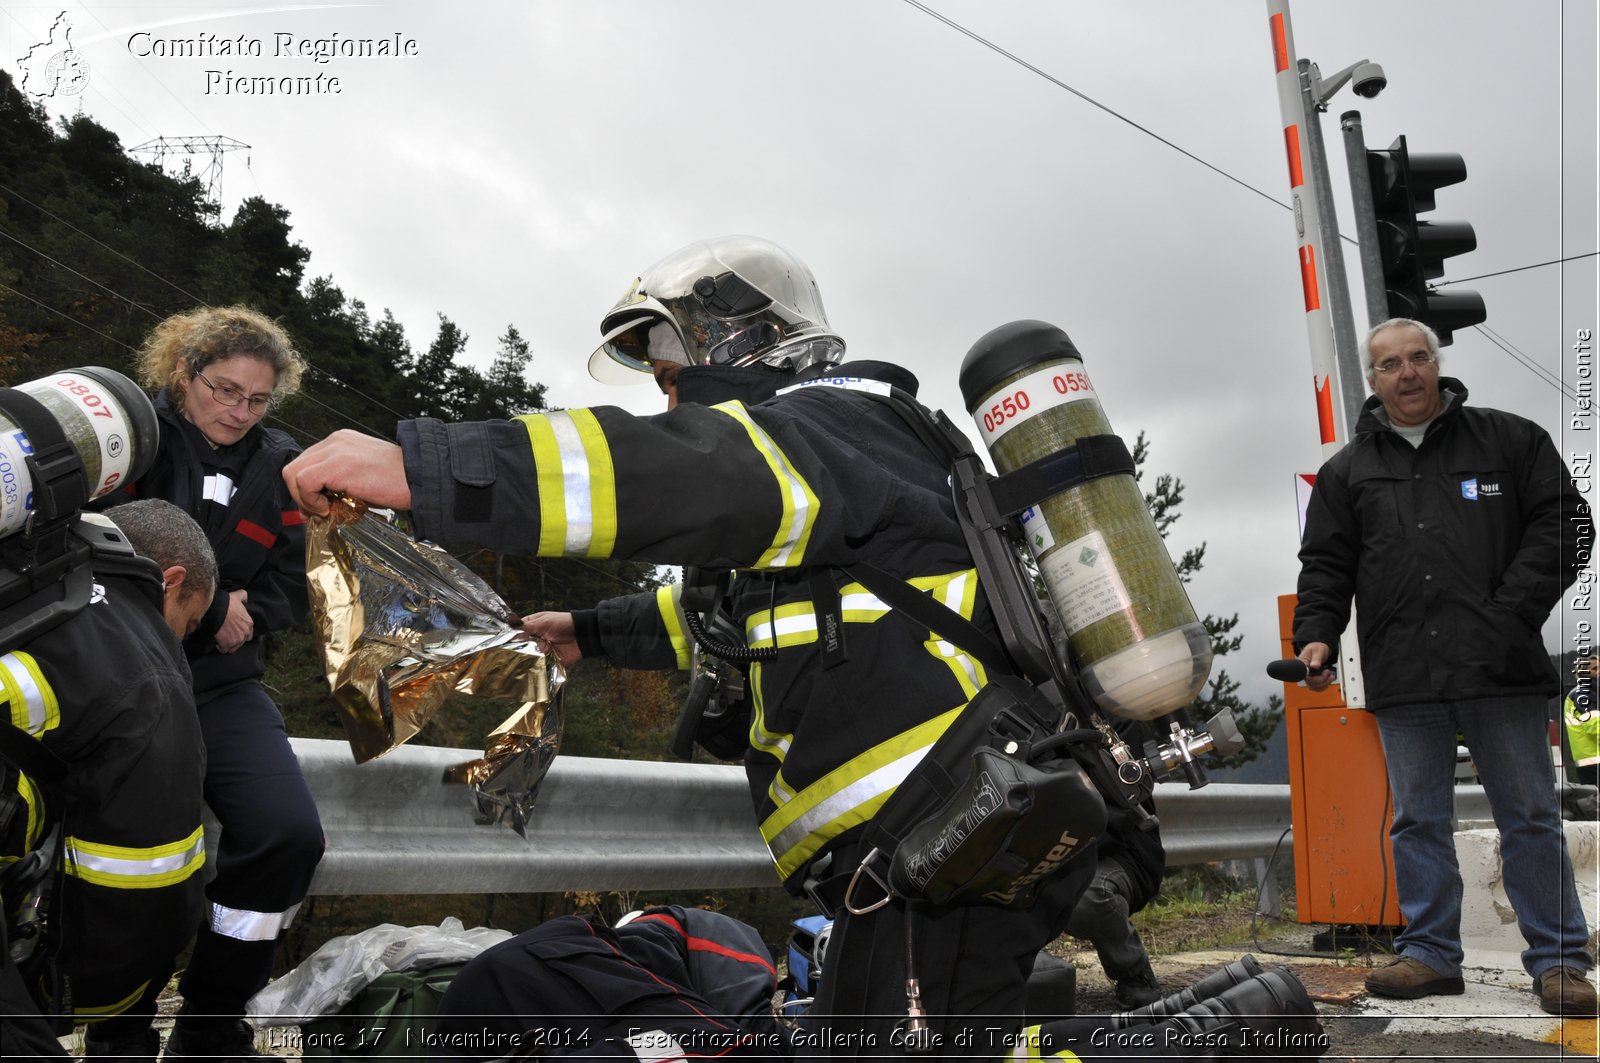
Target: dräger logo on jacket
{"x": 1472, "y": 490}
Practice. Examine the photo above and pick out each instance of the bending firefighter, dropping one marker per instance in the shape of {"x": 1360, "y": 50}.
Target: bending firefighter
{"x": 102, "y": 856}
{"x": 770, "y": 462}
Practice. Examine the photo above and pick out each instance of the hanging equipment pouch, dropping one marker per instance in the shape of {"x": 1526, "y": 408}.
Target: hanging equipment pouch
{"x": 996, "y": 807}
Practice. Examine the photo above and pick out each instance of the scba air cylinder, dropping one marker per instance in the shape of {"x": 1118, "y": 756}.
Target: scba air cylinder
{"x": 1134, "y": 636}
{"x": 106, "y": 420}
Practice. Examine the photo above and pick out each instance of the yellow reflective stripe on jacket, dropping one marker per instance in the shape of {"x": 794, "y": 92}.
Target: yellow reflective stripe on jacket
{"x": 669, "y": 600}
{"x": 92, "y": 1013}
{"x": 1025, "y": 1045}
{"x": 576, "y": 481}
{"x": 774, "y": 743}
{"x": 791, "y": 624}
{"x": 34, "y": 800}
{"x": 125, "y": 868}
{"x": 800, "y": 503}
{"x": 959, "y": 592}
{"x": 32, "y": 702}
{"x": 795, "y": 623}
{"x": 847, "y": 796}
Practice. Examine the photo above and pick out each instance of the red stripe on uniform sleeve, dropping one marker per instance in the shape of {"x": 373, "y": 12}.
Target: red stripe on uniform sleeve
{"x": 697, "y": 944}
{"x": 292, "y": 517}
{"x": 700, "y": 944}
{"x": 256, "y": 533}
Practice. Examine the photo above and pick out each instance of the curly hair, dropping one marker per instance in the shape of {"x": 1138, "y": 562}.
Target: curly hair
{"x": 203, "y": 336}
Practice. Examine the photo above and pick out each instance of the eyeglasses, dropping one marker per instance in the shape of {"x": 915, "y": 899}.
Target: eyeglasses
{"x": 1418, "y": 361}
{"x": 229, "y": 395}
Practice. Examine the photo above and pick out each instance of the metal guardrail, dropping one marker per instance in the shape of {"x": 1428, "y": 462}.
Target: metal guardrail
{"x": 394, "y": 828}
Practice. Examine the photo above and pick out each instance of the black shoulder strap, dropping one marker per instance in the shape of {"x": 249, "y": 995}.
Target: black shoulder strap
{"x": 27, "y": 753}
{"x": 947, "y": 444}
{"x": 938, "y": 617}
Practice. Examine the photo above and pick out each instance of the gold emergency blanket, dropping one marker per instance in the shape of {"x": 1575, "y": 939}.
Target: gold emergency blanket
{"x": 401, "y": 625}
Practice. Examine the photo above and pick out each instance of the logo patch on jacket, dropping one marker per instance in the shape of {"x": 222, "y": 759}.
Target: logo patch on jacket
{"x": 1472, "y": 490}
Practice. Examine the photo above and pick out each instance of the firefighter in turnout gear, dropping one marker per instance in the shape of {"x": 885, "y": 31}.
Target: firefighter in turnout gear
{"x": 772, "y": 462}
{"x": 129, "y": 868}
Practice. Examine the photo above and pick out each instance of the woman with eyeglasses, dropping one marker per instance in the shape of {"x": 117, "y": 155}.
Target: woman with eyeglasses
{"x": 217, "y": 372}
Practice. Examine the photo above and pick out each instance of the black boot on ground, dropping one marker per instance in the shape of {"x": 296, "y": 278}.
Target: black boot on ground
{"x": 212, "y": 1039}
{"x": 1082, "y": 1028}
{"x": 1241, "y": 970}
{"x": 1137, "y": 988}
{"x": 1268, "y": 1017}
{"x": 133, "y": 1046}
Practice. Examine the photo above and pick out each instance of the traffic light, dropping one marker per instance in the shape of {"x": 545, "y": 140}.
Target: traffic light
{"x": 1413, "y": 251}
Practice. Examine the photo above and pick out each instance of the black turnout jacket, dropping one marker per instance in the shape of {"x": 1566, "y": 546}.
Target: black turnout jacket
{"x": 782, "y": 487}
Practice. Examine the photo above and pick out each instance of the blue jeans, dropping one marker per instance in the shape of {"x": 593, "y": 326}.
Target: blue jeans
{"x": 1510, "y": 743}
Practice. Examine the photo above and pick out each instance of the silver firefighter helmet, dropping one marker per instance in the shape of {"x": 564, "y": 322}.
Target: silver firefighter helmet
{"x": 729, "y": 301}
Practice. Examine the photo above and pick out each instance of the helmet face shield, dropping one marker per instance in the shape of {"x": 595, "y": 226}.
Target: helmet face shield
{"x": 623, "y": 355}
{"x": 733, "y": 301}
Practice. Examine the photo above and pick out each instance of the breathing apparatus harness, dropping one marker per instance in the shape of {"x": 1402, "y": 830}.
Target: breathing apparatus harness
{"x": 986, "y": 507}
{"x": 1017, "y": 786}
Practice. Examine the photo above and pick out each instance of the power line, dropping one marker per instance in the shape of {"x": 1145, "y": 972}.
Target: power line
{"x": 62, "y": 313}
{"x": 131, "y": 302}
{"x": 352, "y": 387}
{"x": 1091, "y": 100}
{"x": 1518, "y": 269}
{"x": 18, "y": 195}
{"x": 340, "y": 413}
{"x": 1545, "y": 376}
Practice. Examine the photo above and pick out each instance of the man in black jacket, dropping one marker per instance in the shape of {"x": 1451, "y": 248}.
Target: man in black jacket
{"x": 1455, "y": 529}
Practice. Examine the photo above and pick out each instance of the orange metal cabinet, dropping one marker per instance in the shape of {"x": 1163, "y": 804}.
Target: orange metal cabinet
{"x": 1343, "y": 862}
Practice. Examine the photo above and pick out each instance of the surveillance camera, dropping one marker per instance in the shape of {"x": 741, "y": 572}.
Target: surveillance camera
{"x": 1368, "y": 80}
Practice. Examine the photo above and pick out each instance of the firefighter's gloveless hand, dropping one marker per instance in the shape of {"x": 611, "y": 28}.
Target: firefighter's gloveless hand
{"x": 554, "y": 633}
{"x": 349, "y": 463}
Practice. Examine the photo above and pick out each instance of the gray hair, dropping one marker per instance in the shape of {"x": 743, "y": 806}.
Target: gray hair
{"x": 167, "y": 535}
{"x": 1428, "y": 334}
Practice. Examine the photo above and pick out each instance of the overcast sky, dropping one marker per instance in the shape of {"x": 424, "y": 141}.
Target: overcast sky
{"x": 529, "y": 159}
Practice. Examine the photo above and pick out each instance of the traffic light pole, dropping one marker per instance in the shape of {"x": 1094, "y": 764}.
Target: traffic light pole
{"x": 1366, "y": 218}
